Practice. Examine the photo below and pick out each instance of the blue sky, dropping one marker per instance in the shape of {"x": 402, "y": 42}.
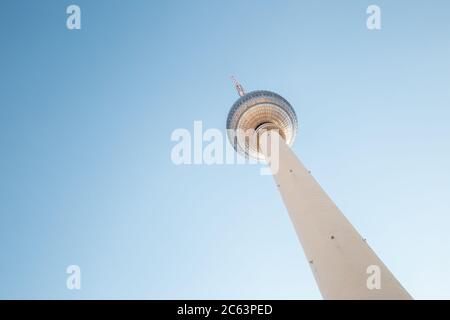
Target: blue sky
{"x": 86, "y": 117}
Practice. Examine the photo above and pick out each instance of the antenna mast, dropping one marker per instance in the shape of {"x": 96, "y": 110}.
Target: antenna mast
{"x": 238, "y": 86}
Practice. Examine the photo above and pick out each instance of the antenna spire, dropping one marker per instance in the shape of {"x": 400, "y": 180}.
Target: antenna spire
{"x": 238, "y": 86}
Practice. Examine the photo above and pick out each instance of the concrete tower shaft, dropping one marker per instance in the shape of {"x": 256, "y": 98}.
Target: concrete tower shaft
{"x": 339, "y": 257}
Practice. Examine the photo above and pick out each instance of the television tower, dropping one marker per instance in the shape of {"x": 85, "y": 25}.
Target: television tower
{"x": 343, "y": 264}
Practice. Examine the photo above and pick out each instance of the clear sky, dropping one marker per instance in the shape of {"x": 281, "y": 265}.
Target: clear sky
{"x": 86, "y": 116}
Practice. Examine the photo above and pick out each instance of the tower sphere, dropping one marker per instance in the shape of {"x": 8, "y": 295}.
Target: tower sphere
{"x": 256, "y": 111}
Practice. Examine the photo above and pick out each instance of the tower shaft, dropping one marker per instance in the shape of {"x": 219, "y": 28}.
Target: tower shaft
{"x": 341, "y": 260}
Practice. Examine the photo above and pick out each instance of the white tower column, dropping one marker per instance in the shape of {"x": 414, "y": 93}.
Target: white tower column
{"x": 339, "y": 257}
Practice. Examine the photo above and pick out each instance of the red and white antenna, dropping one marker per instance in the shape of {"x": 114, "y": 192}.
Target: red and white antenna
{"x": 238, "y": 86}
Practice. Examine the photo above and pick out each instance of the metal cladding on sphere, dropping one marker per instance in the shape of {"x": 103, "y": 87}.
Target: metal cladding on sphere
{"x": 254, "y": 111}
